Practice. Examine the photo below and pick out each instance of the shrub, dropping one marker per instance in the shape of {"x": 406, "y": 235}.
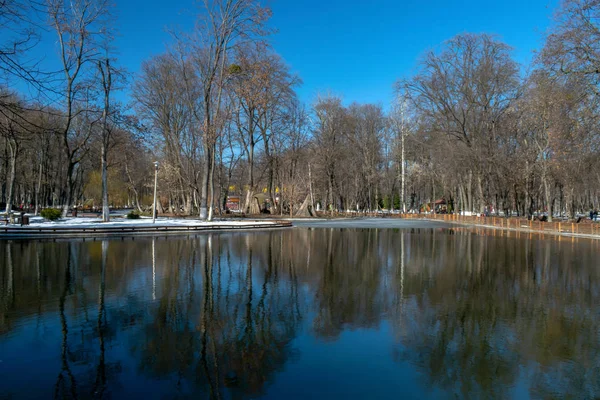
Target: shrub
{"x": 386, "y": 202}
{"x": 133, "y": 215}
{"x": 51, "y": 214}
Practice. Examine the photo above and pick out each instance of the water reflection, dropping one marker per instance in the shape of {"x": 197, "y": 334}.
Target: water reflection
{"x": 471, "y": 314}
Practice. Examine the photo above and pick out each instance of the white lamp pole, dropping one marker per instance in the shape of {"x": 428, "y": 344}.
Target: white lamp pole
{"x": 155, "y": 184}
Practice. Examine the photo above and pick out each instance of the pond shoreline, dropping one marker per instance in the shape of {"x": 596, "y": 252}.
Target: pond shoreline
{"x": 92, "y": 227}
{"x": 121, "y": 228}
{"x": 428, "y": 222}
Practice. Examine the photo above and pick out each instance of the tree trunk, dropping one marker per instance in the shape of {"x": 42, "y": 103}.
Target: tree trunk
{"x": 482, "y": 204}
{"x": 105, "y": 208}
{"x": 68, "y": 189}
{"x": 188, "y": 204}
{"x": 470, "y": 191}
{"x": 331, "y": 184}
{"x": 250, "y": 189}
{"x": 38, "y": 189}
{"x": 211, "y": 184}
{"x": 271, "y": 173}
{"x": 13, "y": 147}
{"x": 547, "y": 195}
{"x": 106, "y": 85}
{"x": 204, "y": 185}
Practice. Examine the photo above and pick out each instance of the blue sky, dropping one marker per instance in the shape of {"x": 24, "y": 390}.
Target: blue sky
{"x": 353, "y": 48}
{"x": 358, "y": 49}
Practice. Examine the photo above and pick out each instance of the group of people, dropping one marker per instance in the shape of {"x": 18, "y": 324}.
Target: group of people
{"x": 594, "y": 215}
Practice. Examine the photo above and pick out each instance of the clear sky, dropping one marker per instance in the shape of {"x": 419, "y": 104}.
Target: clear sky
{"x": 353, "y": 48}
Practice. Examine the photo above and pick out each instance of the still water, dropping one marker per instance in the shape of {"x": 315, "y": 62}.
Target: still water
{"x": 302, "y": 313}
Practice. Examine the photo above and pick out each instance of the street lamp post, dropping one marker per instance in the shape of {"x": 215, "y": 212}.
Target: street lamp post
{"x": 155, "y": 184}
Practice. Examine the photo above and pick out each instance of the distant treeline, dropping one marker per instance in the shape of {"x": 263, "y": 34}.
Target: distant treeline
{"x": 219, "y": 112}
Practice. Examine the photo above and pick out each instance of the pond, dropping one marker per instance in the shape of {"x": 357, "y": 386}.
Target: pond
{"x": 317, "y": 311}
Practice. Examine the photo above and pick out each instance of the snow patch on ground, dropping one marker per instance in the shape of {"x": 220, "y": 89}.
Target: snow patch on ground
{"x": 39, "y": 222}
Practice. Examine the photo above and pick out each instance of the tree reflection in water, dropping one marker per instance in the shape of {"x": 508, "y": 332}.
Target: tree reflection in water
{"x": 492, "y": 311}
{"x": 476, "y": 313}
{"x": 231, "y": 331}
{"x": 65, "y": 382}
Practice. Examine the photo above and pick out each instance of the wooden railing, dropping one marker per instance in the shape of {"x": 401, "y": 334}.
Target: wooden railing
{"x": 585, "y": 227}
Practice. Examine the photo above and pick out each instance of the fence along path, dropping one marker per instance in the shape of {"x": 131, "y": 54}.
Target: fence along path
{"x": 584, "y": 227}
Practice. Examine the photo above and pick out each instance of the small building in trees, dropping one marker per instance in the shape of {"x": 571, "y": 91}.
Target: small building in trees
{"x": 233, "y": 203}
{"x": 440, "y": 206}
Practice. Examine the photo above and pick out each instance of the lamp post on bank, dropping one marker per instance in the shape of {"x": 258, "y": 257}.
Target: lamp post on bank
{"x": 155, "y": 184}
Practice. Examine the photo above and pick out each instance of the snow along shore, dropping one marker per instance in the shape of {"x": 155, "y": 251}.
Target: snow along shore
{"x": 39, "y": 222}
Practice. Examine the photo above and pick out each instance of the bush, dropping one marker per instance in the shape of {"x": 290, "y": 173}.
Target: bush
{"x": 51, "y": 214}
{"x": 386, "y": 203}
{"x": 133, "y": 215}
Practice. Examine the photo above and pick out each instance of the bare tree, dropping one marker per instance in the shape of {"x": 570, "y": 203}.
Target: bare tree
{"x": 573, "y": 44}
{"x": 107, "y": 85}
{"x": 328, "y": 134}
{"x": 400, "y": 125}
{"x": 78, "y": 26}
{"x": 164, "y": 97}
{"x": 11, "y": 133}
{"x": 246, "y": 91}
{"x": 278, "y": 97}
{"x": 223, "y": 24}
{"x": 261, "y": 89}
{"x": 463, "y": 93}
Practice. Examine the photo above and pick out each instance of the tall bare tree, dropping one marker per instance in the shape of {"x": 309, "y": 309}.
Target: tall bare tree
{"x": 222, "y": 25}
{"x": 107, "y": 85}
{"x": 79, "y": 27}
{"x": 329, "y": 134}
